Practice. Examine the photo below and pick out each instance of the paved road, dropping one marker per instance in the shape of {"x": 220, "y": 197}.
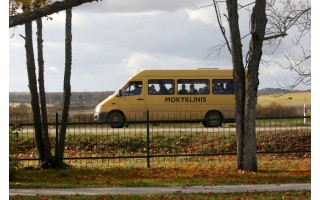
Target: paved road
{"x": 164, "y": 190}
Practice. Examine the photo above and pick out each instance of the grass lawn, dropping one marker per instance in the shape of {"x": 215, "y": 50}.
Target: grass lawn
{"x": 218, "y": 170}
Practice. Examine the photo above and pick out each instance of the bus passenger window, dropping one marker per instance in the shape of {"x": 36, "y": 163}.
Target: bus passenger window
{"x": 229, "y": 87}
{"x": 193, "y": 86}
{"x": 222, "y": 87}
{"x": 161, "y": 87}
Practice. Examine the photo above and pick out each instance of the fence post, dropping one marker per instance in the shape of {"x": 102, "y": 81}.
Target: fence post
{"x": 148, "y": 141}
{"x": 57, "y": 142}
{"x": 304, "y": 114}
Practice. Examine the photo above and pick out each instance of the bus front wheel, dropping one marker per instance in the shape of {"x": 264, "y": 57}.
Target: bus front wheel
{"x": 213, "y": 119}
{"x": 116, "y": 119}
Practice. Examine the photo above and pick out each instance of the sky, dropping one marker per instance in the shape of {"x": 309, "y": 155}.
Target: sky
{"x": 113, "y": 40}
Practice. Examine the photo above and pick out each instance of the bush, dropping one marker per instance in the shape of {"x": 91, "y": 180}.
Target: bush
{"x": 19, "y": 111}
{"x": 276, "y": 110}
{"x": 13, "y": 150}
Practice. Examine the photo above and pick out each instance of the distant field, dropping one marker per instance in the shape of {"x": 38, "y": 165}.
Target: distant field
{"x": 290, "y": 99}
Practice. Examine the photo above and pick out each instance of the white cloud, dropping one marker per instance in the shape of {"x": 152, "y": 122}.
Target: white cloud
{"x": 52, "y": 69}
{"x": 139, "y": 60}
{"x": 205, "y": 15}
{"x": 136, "y": 6}
{"x": 140, "y": 14}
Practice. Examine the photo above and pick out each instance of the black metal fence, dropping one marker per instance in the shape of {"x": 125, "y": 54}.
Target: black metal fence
{"x": 146, "y": 142}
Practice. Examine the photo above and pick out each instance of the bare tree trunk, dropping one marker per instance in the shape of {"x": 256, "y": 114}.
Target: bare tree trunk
{"x": 31, "y": 68}
{"x": 67, "y": 85}
{"x": 46, "y": 141}
{"x": 238, "y": 76}
{"x": 246, "y": 84}
{"x": 258, "y": 27}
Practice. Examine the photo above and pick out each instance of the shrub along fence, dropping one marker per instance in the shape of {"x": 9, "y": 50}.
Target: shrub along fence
{"x": 96, "y": 143}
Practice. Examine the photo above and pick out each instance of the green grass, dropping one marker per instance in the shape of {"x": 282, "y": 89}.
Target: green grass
{"x": 303, "y": 195}
{"x": 219, "y": 170}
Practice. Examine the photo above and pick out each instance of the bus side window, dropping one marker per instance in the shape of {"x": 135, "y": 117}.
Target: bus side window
{"x": 161, "y": 87}
{"x": 229, "y": 87}
{"x": 193, "y": 86}
{"x": 216, "y": 87}
{"x": 222, "y": 87}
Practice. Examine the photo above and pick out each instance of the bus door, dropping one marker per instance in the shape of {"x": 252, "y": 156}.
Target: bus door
{"x": 161, "y": 99}
{"x": 132, "y": 100}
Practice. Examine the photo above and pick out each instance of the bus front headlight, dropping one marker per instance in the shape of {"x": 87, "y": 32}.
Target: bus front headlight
{"x": 98, "y": 109}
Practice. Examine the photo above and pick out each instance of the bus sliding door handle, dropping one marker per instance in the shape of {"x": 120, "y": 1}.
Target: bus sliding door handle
{"x": 140, "y": 99}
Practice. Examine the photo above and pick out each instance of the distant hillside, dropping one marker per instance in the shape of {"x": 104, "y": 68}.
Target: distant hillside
{"x": 57, "y": 97}
{"x": 93, "y": 98}
{"x": 278, "y": 91}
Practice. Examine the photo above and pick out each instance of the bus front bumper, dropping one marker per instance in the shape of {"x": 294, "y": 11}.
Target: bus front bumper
{"x": 100, "y": 116}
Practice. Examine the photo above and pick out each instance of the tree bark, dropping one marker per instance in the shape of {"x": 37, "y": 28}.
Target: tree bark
{"x": 31, "y": 68}
{"x": 238, "y": 76}
{"x": 246, "y": 84}
{"x": 38, "y": 13}
{"x": 258, "y": 27}
{"x": 45, "y": 134}
{"x": 67, "y": 85}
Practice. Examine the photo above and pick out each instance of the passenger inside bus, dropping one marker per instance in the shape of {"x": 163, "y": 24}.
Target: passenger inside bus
{"x": 205, "y": 89}
{"x": 163, "y": 89}
{"x": 152, "y": 90}
{"x": 223, "y": 87}
{"x": 137, "y": 89}
{"x": 183, "y": 90}
{"x": 229, "y": 88}
{"x": 171, "y": 91}
{"x": 192, "y": 89}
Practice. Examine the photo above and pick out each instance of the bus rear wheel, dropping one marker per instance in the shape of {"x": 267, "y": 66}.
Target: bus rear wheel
{"x": 115, "y": 117}
{"x": 213, "y": 119}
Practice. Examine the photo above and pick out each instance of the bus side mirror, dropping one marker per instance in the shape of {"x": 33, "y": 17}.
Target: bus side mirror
{"x": 119, "y": 93}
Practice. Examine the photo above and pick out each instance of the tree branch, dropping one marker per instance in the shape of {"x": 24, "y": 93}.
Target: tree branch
{"x": 220, "y": 24}
{"x": 275, "y": 36}
{"x": 23, "y": 18}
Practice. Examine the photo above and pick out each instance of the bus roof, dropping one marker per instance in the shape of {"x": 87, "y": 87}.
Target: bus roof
{"x": 184, "y": 72}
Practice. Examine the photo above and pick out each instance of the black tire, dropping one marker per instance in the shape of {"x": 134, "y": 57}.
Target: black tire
{"x": 213, "y": 119}
{"x": 116, "y": 117}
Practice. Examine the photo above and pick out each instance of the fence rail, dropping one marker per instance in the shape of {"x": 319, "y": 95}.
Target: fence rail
{"x": 149, "y": 140}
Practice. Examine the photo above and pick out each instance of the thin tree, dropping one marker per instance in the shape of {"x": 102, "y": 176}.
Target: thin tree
{"x": 32, "y": 13}
{"x": 31, "y": 68}
{"x": 246, "y": 75}
{"x": 41, "y": 133}
{"x": 66, "y": 83}
{"x": 43, "y": 103}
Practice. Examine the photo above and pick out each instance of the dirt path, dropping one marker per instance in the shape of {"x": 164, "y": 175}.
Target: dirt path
{"x": 164, "y": 190}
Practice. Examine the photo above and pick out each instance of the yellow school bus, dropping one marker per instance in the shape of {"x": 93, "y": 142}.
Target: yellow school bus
{"x": 205, "y": 95}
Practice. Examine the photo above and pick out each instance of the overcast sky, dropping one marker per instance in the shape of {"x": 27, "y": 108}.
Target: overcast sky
{"x": 112, "y": 40}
